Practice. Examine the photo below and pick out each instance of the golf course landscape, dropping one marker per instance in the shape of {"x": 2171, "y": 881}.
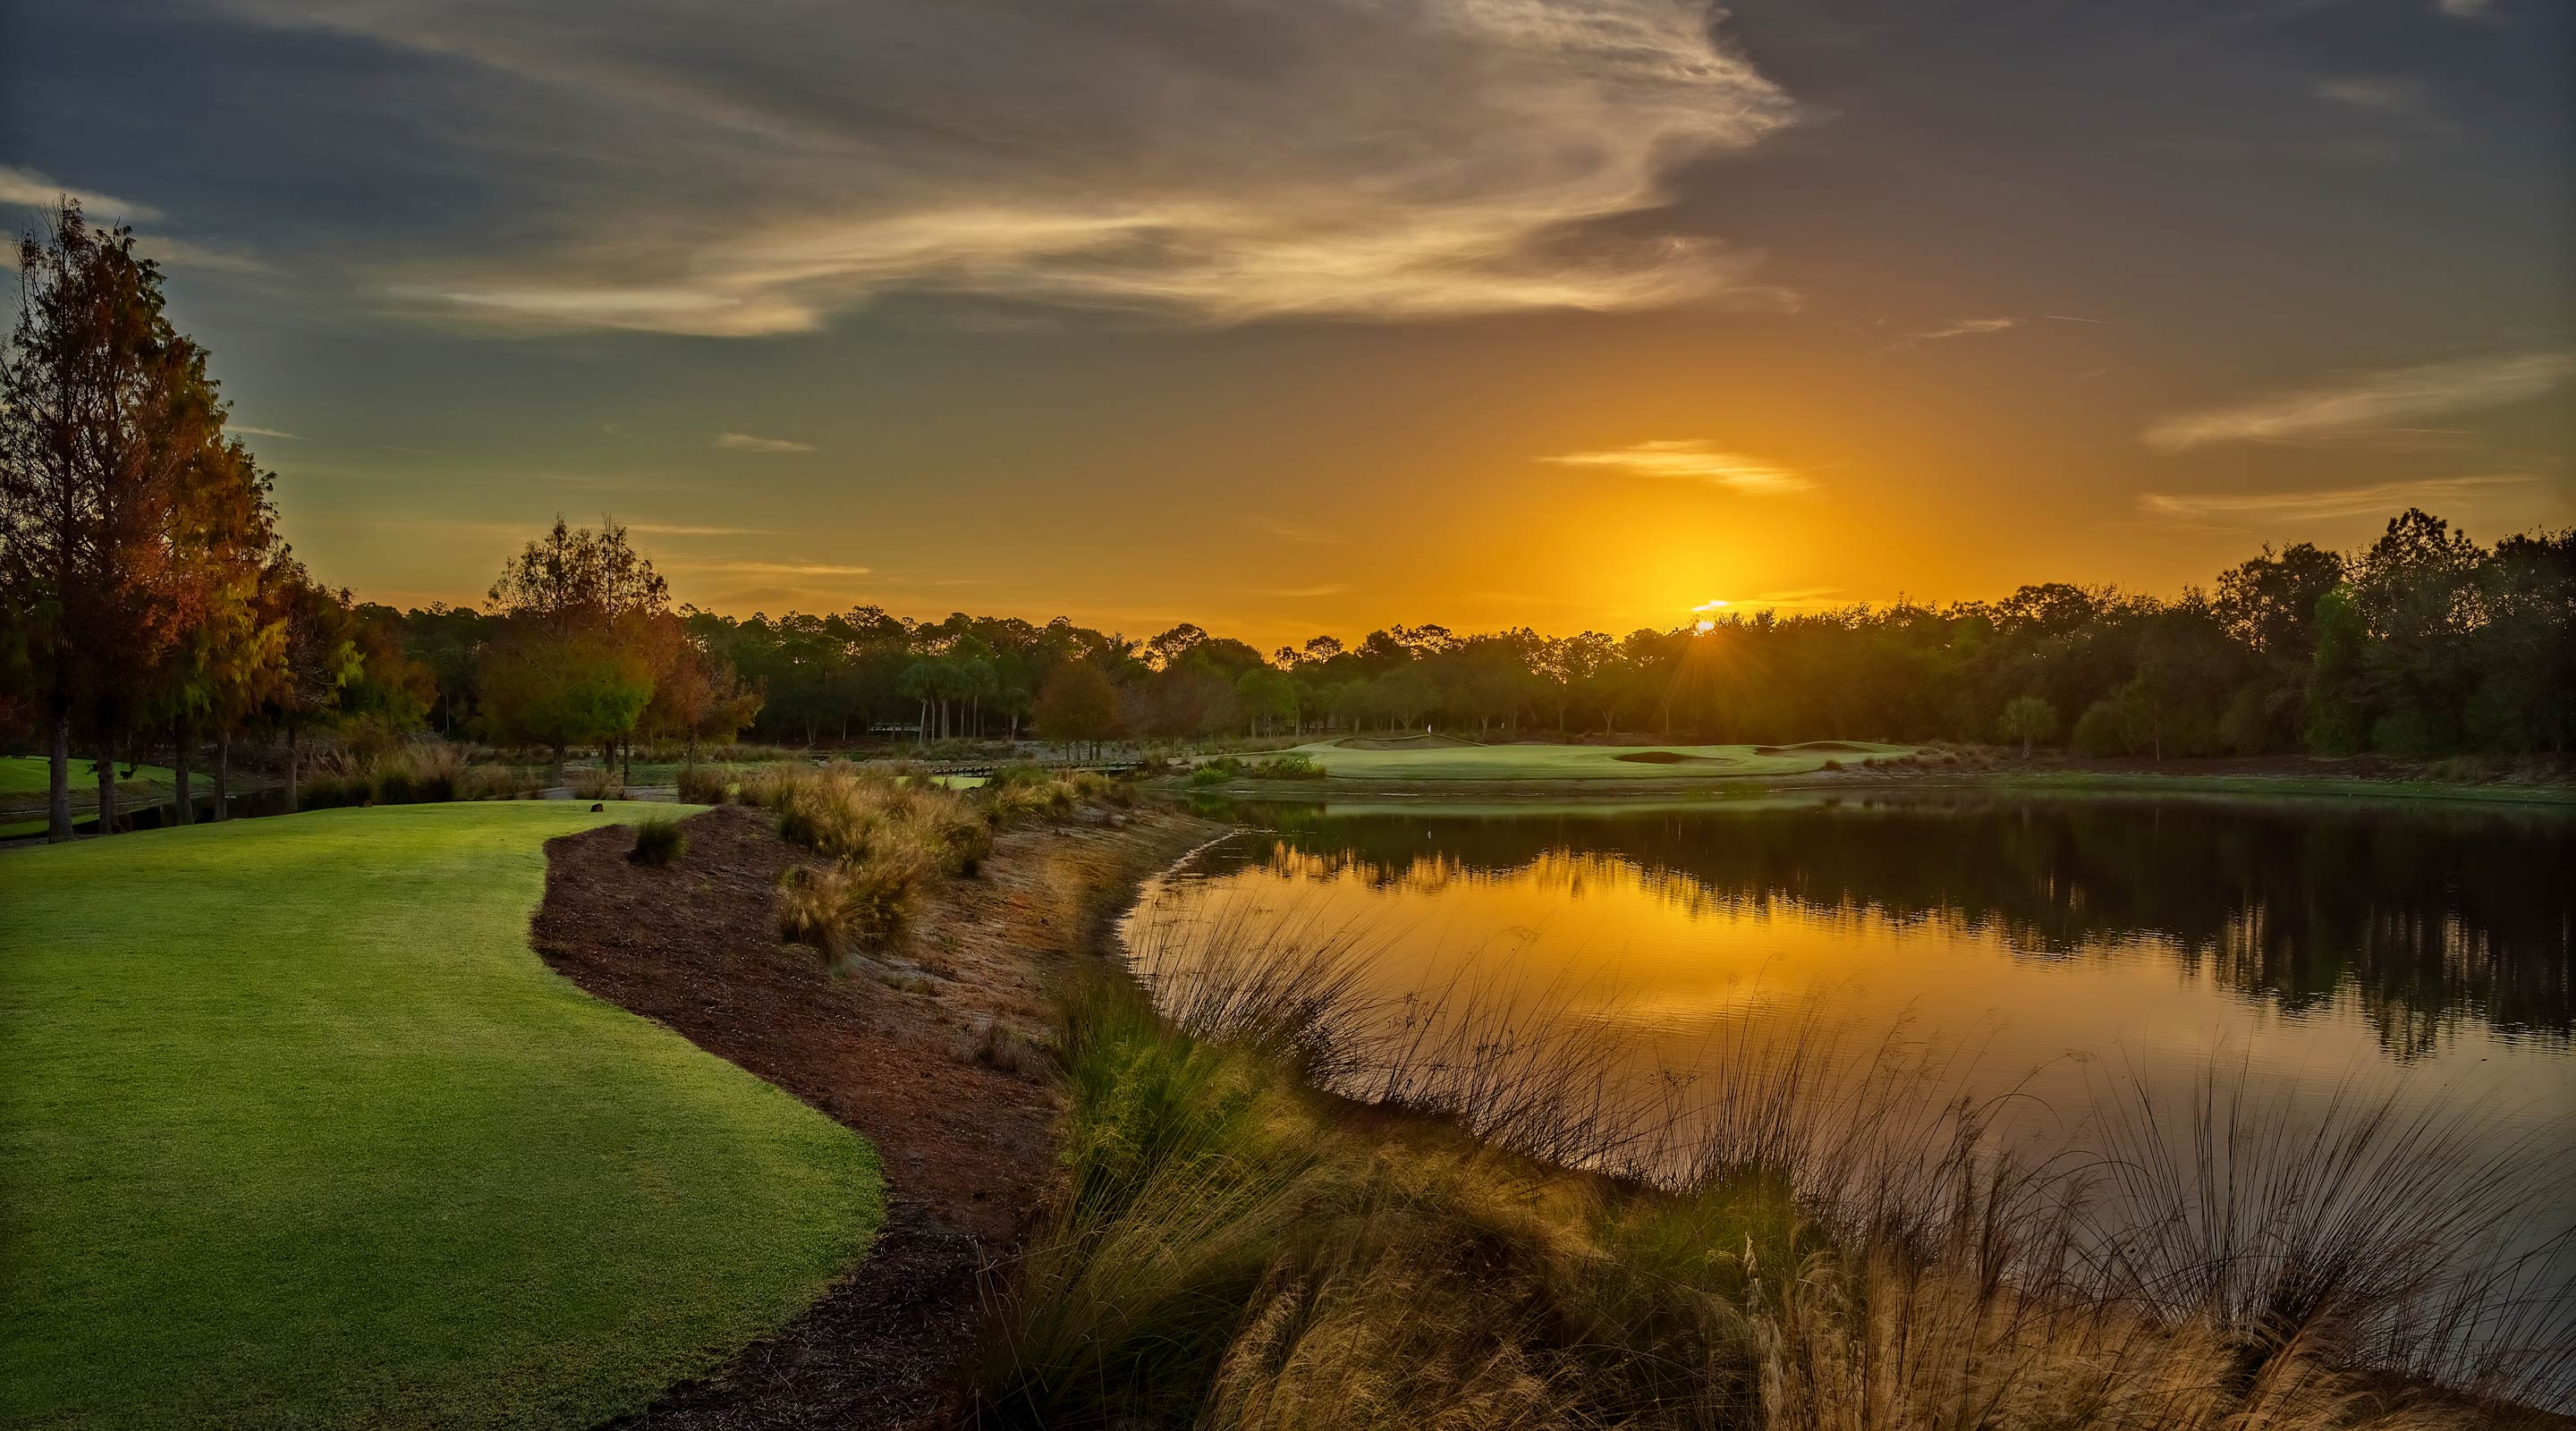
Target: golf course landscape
{"x": 299, "y": 1131}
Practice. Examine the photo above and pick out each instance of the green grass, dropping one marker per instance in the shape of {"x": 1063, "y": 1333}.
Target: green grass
{"x": 25, "y": 780}
{"x": 297, "y": 1130}
{"x": 1579, "y": 762}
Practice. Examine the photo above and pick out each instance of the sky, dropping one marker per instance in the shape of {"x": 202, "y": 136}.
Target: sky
{"x": 1305, "y": 316}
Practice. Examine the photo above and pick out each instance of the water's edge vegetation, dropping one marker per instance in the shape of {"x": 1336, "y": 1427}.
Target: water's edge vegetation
{"x": 1282, "y": 1208}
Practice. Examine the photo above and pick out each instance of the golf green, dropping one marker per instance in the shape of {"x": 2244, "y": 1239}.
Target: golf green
{"x": 298, "y": 1130}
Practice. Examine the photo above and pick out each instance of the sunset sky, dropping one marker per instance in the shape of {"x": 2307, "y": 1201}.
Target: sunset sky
{"x": 1318, "y": 315}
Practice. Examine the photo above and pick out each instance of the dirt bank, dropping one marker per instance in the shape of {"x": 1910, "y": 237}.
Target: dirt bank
{"x": 901, "y": 1049}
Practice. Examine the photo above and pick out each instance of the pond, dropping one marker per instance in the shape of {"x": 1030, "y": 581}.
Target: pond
{"x": 2065, "y": 951}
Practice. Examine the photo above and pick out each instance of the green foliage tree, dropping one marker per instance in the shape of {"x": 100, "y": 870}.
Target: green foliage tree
{"x": 105, "y": 411}
{"x": 2333, "y": 698}
{"x": 586, "y": 624}
{"x": 1078, "y": 706}
{"x": 2028, "y": 719}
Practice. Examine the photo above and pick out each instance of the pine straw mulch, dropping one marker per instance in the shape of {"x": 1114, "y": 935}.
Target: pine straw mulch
{"x": 893, "y": 1047}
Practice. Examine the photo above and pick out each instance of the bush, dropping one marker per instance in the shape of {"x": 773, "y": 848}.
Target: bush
{"x": 658, "y": 841}
{"x": 1207, "y": 775}
{"x": 492, "y": 782}
{"x": 705, "y": 785}
{"x": 600, "y": 784}
{"x": 865, "y": 903}
{"x": 1287, "y": 767}
{"x": 2099, "y": 731}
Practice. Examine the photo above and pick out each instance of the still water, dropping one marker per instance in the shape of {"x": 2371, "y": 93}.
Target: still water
{"x": 2053, "y": 947}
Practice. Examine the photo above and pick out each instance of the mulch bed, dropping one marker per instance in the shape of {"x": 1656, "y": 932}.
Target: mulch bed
{"x": 889, "y": 1047}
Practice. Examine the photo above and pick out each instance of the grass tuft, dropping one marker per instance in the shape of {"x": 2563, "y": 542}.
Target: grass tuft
{"x": 658, "y": 841}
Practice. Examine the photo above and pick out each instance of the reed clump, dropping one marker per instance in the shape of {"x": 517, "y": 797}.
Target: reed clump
{"x": 704, "y": 784}
{"x": 888, "y": 839}
{"x": 1288, "y": 1207}
{"x": 1018, "y": 792}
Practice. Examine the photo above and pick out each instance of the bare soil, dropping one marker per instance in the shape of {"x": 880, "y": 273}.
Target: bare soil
{"x": 930, "y": 1051}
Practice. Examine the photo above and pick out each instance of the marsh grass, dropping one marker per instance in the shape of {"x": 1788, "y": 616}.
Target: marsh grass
{"x": 1287, "y": 1205}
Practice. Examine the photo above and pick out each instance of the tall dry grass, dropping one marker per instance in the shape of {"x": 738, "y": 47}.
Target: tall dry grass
{"x": 1287, "y": 1206}
{"x": 888, "y": 840}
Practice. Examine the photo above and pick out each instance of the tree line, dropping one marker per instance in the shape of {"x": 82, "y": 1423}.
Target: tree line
{"x": 2422, "y": 643}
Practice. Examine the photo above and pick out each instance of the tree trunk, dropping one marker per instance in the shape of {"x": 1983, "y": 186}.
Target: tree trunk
{"x": 555, "y": 773}
{"x": 107, "y": 790}
{"x": 185, "y": 812}
{"x": 294, "y": 772}
{"x": 58, "y": 793}
{"x": 223, "y": 776}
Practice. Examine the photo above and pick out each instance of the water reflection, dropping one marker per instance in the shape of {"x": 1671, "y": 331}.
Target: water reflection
{"x": 2419, "y": 920}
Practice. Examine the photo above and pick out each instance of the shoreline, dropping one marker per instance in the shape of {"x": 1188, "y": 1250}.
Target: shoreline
{"x": 2559, "y": 794}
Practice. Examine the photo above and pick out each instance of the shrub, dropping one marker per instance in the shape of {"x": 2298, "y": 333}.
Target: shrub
{"x": 809, "y": 909}
{"x": 1207, "y": 775}
{"x": 1287, "y": 767}
{"x": 600, "y": 784}
{"x": 865, "y": 903}
{"x": 2099, "y": 731}
{"x": 491, "y": 782}
{"x": 658, "y": 841}
{"x": 704, "y": 785}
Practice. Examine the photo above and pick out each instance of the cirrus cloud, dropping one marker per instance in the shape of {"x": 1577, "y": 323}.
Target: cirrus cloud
{"x": 746, "y": 442}
{"x": 1693, "y": 460}
{"x": 1195, "y": 161}
{"x": 2365, "y": 401}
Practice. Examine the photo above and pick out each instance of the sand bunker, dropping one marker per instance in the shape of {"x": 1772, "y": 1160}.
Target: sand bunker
{"x": 1819, "y": 747}
{"x": 1671, "y": 757}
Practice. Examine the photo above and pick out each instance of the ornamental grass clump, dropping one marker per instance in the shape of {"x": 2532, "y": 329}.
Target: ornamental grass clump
{"x": 888, "y": 840}
{"x": 658, "y": 841}
{"x": 705, "y": 784}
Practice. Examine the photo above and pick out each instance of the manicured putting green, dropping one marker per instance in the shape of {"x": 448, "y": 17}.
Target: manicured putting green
{"x": 296, "y": 1130}
{"x": 1437, "y": 759}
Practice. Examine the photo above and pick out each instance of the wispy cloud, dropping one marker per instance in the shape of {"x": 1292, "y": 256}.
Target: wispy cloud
{"x": 1300, "y": 593}
{"x": 2406, "y": 101}
{"x": 1968, "y": 328}
{"x": 682, "y": 529}
{"x": 2363, "y": 401}
{"x": 1964, "y": 328}
{"x": 745, "y": 442}
{"x": 1804, "y": 596}
{"x": 1192, "y": 163}
{"x": 768, "y": 568}
{"x": 1292, "y": 532}
{"x": 29, "y": 189}
{"x": 248, "y": 431}
{"x": 1693, "y": 460}
{"x": 2376, "y": 499}
{"x": 2466, "y": 9}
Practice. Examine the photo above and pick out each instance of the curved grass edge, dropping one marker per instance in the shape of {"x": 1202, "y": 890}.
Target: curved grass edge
{"x": 546, "y": 1238}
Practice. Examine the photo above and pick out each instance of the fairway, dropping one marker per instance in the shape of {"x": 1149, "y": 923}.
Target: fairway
{"x": 1440, "y": 760}
{"x": 297, "y": 1130}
